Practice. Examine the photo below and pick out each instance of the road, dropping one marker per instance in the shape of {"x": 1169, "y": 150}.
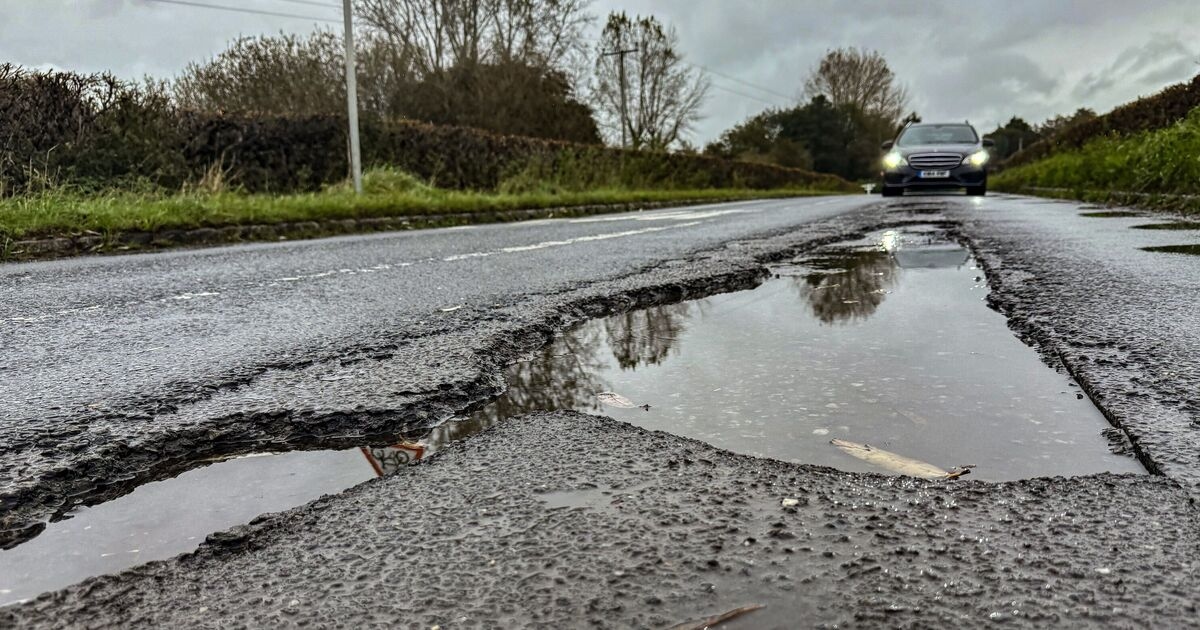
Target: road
{"x": 131, "y": 368}
{"x": 112, "y": 358}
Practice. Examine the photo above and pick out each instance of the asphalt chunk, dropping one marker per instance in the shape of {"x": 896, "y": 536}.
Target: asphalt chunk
{"x": 663, "y": 529}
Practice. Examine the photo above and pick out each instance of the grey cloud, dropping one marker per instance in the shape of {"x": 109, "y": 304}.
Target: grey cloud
{"x": 982, "y": 60}
{"x": 1161, "y": 61}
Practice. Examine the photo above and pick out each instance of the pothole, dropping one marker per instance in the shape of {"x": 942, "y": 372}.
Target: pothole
{"x": 162, "y": 519}
{"x": 1193, "y": 250}
{"x": 883, "y": 343}
{"x": 1174, "y": 225}
{"x": 1110, "y": 214}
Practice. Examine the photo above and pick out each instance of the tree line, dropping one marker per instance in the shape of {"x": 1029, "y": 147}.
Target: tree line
{"x": 519, "y": 67}
{"x": 854, "y": 101}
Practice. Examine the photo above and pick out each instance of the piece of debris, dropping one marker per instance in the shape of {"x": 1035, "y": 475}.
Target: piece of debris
{"x": 613, "y": 399}
{"x": 451, "y": 309}
{"x": 898, "y": 463}
{"x": 959, "y": 471}
{"x": 716, "y": 620}
{"x": 790, "y": 502}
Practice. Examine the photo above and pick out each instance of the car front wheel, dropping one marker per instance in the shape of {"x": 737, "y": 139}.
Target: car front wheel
{"x": 977, "y": 191}
{"x": 891, "y": 191}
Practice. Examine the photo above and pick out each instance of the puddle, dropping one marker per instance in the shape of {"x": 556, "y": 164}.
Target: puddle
{"x": 162, "y": 519}
{"x": 1175, "y": 225}
{"x": 883, "y": 342}
{"x": 1175, "y": 249}
{"x": 886, "y": 343}
{"x": 1110, "y": 214}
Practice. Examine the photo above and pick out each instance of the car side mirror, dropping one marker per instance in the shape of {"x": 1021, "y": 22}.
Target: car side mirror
{"x": 887, "y": 145}
{"x": 988, "y": 143}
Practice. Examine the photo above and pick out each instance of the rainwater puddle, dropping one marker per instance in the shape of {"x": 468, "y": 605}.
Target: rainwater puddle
{"x": 1175, "y": 225}
{"x": 162, "y": 519}
{"x": 1110, "y": 214}
{"x": 884, "y": 342}
{"x": 1194, "y": 250}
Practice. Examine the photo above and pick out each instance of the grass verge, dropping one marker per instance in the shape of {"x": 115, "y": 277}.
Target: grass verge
{"x": 1157, "y": 169}
{"x": 59, "y": 213}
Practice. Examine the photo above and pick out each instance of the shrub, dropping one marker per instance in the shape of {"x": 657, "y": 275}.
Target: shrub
{"x": 94, "y": 132}
{"x": 1145, "y": 114}
{"x": 1165, "y": 161}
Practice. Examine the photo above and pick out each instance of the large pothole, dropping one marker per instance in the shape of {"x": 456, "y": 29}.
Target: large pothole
{"x": 884, "y": 343}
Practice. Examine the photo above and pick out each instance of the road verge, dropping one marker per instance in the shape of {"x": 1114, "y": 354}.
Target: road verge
{"x": 216, "y": 227}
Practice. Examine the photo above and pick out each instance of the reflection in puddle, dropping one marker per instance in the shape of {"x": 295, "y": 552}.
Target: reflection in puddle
{"x": 1176, "y": 225}
{"x": 887, "y": 344}
{"x": 1175, "y": 249}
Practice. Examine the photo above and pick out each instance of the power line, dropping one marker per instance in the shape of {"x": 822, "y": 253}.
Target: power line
{"x": 745, "y": 95}
{"x": 311, "y": 3}
{"x": 790, "y": 99}
{"x": 219, "y": 7}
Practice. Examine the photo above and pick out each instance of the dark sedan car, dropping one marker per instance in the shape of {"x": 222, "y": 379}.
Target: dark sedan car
{"x": 936, "y": 156}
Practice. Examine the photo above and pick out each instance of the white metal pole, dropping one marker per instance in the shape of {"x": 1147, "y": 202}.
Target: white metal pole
{"x": 352, "y": 98}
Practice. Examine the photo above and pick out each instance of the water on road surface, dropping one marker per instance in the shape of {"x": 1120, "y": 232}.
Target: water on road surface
{"x": 885, "y": 341}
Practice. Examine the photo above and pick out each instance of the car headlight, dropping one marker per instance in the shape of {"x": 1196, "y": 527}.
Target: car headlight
{"x": 978, "y": 158}
{"x": 893, "y": 160}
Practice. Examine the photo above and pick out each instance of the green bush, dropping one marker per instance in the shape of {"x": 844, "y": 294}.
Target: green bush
{"x": 1145, "y": 114}
{"x": 1166, "y": 161}
{"x": 93, "y": 132}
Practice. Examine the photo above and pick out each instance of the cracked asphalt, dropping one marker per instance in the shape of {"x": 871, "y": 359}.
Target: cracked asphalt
{"x": 127, "y": 369}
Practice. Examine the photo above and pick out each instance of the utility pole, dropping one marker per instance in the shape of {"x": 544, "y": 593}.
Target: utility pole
{"x": 352, "y": 98}
{"x": 620, "y": 54}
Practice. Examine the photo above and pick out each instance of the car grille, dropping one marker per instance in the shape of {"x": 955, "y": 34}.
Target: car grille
{"x": 935, "y": 160}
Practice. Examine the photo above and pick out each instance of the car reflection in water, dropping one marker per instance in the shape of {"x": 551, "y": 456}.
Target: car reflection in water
{"x": 849, "y": 285}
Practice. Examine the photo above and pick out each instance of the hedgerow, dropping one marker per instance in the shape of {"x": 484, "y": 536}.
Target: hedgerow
{"x": 95, "y": 132}
{"x": 1145, "y": 114}
{"x": 1161, "y": 162}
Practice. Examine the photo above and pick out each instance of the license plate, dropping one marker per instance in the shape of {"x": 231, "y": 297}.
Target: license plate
{"x": 934, "y": 174}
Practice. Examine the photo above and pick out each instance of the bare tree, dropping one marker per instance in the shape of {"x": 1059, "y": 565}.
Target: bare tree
{"x": 646, "y": 93}
{"x": 544, "y": 33}
{"x": 861, "y": 78}
{"x": 441, "y": 34}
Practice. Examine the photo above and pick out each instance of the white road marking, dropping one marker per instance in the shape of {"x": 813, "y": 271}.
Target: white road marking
{"x": 570, "y": 241}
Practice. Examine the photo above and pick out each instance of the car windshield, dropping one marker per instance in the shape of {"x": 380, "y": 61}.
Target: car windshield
{"x": 937, "y": 134}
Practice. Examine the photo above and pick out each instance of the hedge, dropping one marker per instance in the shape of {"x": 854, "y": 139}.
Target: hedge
{"x": 1145, "y": 114}
{"x": 94, "y": 131}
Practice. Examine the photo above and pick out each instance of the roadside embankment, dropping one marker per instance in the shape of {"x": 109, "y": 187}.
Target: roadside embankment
{"x": 1157, "y": 169}
{"x": 59, "y": 224}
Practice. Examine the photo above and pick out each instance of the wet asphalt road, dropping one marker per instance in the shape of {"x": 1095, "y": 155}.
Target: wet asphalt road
{"x": 118, "y": 365}
{"x": 123, "y": 363}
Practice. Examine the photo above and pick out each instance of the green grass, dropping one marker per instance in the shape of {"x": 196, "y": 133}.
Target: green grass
{"x": 388, "y": 193}
{"x": 1158, "y": 167}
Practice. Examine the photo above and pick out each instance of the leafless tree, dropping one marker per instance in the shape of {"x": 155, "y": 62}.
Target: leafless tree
{"x": 441, "y": 34}
{"x": 862, "y": 78}
{"x": 646, "y": 94}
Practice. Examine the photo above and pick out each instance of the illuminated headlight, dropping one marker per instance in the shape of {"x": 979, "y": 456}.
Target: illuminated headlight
{"x": 979, "y": 158}
{"x": 893, "y": 160}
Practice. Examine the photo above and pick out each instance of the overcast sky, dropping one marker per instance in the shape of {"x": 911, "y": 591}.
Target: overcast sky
{"x": 982, "y": 61}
